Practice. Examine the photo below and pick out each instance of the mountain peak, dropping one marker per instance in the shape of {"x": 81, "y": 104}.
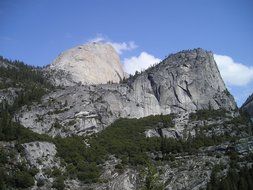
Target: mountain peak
{"x": 91, "y": 63}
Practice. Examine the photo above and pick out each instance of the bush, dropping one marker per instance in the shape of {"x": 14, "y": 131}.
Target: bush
{"x": 208, "y": 114}
{"x": 23, "y": 179}
{"x": 59, "y": 183}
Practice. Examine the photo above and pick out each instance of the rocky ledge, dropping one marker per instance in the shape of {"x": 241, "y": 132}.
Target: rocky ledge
{"x": 184, "y": 82}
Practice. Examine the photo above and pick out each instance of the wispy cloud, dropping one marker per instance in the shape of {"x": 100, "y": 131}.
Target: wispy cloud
{"x": 120, "y": 47}
{"x": 233, "y": 73}
{"x": 139, "y": 63}
{"x": 124, "y": 46}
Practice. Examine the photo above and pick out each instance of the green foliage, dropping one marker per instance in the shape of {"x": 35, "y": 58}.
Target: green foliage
{"x": 125, "y": 138}
{"x": 3, "y": 157}
{"x": 227, "y": 92}
{"x": 151, "y": 181}
{"x": 208, "y": 114}
{"x": 82, "y": 162}
{"x": 56, "y": 172}
{"x": 31, "y": 85}
{"x": 23, "y": 179}
{"x": 235, "y": 180}
{"x": 59, "y": 183}
{"x": 243, "y": 118}
{"x": 88, "y": 173}
{"x": 10, "y": 131}
{"x": 29, "y": 79}
{"x": 19, "y": 176}
{"x": 20, "y": 75}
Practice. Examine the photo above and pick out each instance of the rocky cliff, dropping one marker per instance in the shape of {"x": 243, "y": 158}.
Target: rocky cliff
{"x": 184, "y": 82}
{"x": 93, "y": 63}
{"x": 188, "y": 149}
{"x": 248, "y": 106}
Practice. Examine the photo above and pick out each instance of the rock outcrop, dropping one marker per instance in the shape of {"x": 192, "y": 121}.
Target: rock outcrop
{"x": 248, "y": 106}
{"x": 93, "y": 63}
{"x": 184, "y": 82}
{"x": 41, "y": 154}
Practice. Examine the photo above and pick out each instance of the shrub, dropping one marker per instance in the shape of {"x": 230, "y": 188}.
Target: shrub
{"x": 59, "y": 183}
{"x": 23, "y": 179}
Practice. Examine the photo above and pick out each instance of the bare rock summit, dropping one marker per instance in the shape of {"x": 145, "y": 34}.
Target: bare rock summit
{"x": 92, "y": 63}
{"x": 184, "y": 82}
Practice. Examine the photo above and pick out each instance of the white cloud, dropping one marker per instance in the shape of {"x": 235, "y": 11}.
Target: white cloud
{"x": 124, "y": 46}
{"x": 233, "y": 73}
{"x": 120, "y": 47}
{"x": 98, "y": 38}
{"x": 142, "y": 62}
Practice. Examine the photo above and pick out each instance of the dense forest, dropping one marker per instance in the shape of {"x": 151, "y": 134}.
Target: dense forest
{"x": 30, "y": 85}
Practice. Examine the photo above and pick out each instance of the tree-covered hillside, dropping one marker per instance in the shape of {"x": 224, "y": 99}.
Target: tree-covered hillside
{"x": 210, "y": 142}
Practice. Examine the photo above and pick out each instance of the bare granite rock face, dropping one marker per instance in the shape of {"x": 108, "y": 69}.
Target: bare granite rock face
{"x": 185, "y": 127}
{"x": 41, "y": 154}
{"x": 8, "y": 95}
{"x": 92, "y": 63}
{"x": 190, "y": 172}
{"x": 248, "y": 106}
{"x": 184, "y": 82}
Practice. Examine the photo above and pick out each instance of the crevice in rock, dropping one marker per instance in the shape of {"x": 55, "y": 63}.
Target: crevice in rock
{"x": 217, "y": 103}
{"x": 120, "y": 78}
{"x": 187, "y": 91}
{"x": 195, "y": 104}
{"x": 187, "y": 88}
{"x": 159, "y": 131}
{"x": 179, "y": 107}
{"x": 172, "y": 76}
{"x": 156, "y": 89}
{"x": 175, "y": 93}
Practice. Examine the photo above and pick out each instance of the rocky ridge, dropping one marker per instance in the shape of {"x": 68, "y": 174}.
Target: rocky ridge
{"x": 184, "y": 82}
{"x": 248, "y": 106}
{"x": 203, "y": 131}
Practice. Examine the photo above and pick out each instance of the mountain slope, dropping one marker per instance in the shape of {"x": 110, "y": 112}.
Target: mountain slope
{"x": 92, "y": 63}
{"x": 189, "y": 149}
{"x": 184, "y": 82}
{"x": 248, "y": 106}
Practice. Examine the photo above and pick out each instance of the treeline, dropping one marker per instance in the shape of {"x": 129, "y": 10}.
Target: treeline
{"x": 29, "y": 80}
{"x": 237, "y": 178}
{"x": 30, "y": 86}
{"x": 208, "y": 114}
{"x": 242, "y": 180}
{"x": 16, "y": 73}
{"x": 125, "y": 139}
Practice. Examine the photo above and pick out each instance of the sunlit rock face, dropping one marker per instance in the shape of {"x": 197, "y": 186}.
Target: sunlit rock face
{"x": 184, "y": 82}
{"x": 92, "y": 63}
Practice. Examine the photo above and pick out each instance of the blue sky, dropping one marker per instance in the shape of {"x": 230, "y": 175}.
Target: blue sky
{"x": 36, "y": 31}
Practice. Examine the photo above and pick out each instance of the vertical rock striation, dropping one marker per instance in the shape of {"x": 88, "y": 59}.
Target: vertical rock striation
{"x": 248, "y": 106}
{"x": 184, "y": 82}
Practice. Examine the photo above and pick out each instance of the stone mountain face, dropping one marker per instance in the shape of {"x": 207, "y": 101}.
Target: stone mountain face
{"x": 248, "y": 106}
{"x": 181, "y": 151}
{"x": 93, "y": 63}
{"x": 184, "y": 82}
